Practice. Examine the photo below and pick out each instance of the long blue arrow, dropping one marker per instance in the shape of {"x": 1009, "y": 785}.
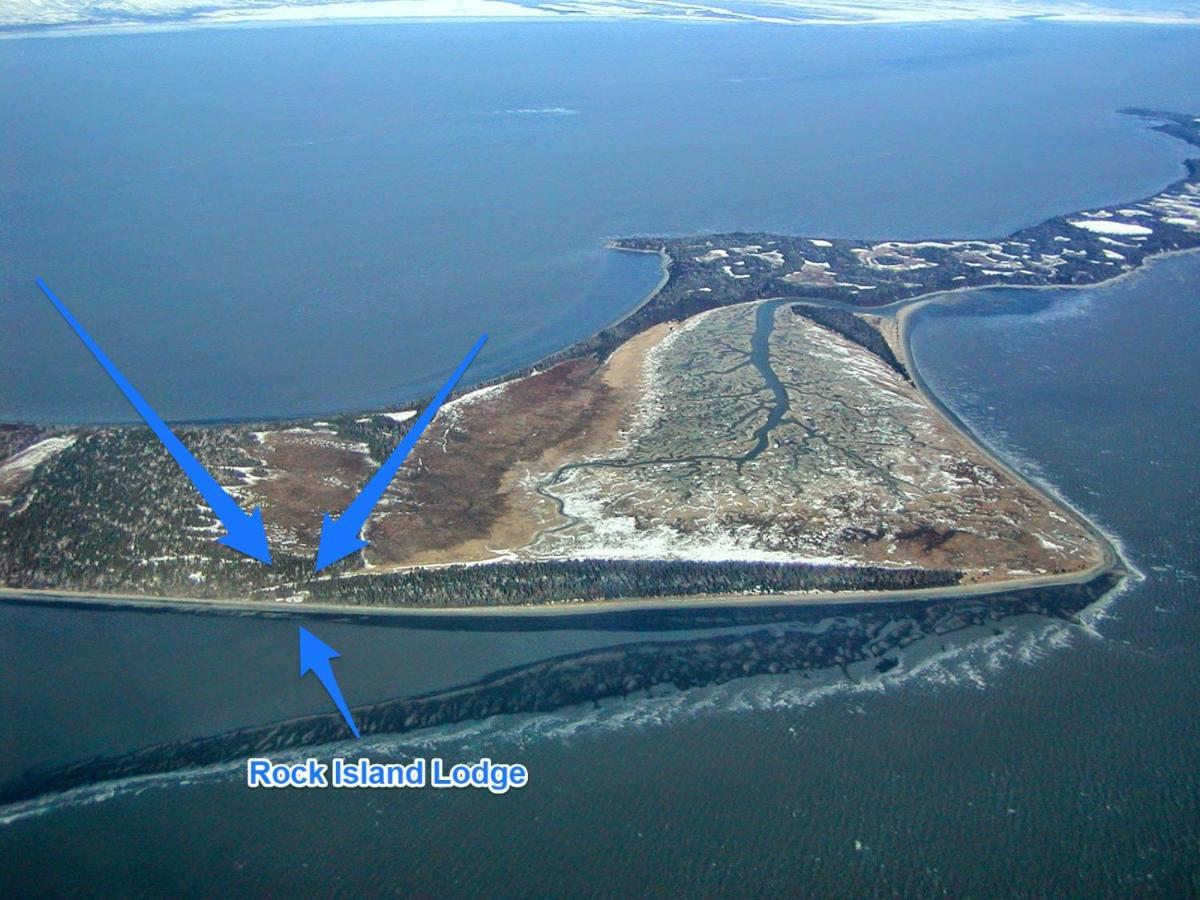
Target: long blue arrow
{"x": 245, "y": 532}
{"x": 315, "y": 655}
{"x": 339, "y": 537}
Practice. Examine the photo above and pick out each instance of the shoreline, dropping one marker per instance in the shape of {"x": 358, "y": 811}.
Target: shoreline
{"x": 344, "y": 12}
{"x": 1112, "y": 560}
{"x": 705, "y": 602}
{"x": 907, "y": 310}
{"x": 572, "y": 351}
{"x": 413, "y": 404}
{"x": 903, "y": 311}
{"x": 674, "y": 298}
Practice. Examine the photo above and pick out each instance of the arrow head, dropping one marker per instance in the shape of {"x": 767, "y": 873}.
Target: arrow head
{"x": 337, "y": 541}
{"x": 315, "y": 654}
{"x": 248, "y": 536}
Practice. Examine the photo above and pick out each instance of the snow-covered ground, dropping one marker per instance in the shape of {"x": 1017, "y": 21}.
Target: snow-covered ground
{"x": 380, "y": 9}
{"x": 402, "y": 416}
{"x": 16, "y": 13}
{"x": 31, "y": 457}
{"x": 1103, "y": 226}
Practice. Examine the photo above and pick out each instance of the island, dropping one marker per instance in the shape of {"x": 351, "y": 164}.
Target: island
{"x": 756, "y": 432}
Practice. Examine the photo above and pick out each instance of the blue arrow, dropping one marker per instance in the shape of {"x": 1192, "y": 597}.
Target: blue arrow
{"x": 315, "y": 655}
{"x": 245, "y": 532}
{"x": 339, "y": 537}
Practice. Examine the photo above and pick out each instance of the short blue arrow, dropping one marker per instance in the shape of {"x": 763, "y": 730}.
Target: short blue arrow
{"x": 245, "y": 532}
{"x": 315, "y": 655}
{"x": 339, "y": 537}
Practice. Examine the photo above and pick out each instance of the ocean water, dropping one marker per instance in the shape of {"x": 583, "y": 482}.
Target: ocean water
{"x": 1040, "y": 753}
{"x": 294, "y": 221}
{"x": 1043, "y": 754}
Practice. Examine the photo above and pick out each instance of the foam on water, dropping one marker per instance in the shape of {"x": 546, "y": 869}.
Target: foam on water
{"x": 972, "y": 659}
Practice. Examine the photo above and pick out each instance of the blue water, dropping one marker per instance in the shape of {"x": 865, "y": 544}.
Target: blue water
{"x": 295, "y": 221}
{"x": 1047, "y": 757}
{"x": 1047, "y": 754}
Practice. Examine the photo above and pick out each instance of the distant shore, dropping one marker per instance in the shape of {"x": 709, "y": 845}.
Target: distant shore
{"x": 130, "y": 19}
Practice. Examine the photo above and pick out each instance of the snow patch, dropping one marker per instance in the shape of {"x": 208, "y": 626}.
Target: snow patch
{"x": 32, "y": 457}
{"x": 1107, "y": 227}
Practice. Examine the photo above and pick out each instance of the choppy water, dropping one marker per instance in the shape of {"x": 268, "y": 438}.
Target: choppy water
{"x": 1038, "y": 755}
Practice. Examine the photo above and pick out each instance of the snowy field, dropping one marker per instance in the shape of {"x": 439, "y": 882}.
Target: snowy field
{"x": 19, "y": 13}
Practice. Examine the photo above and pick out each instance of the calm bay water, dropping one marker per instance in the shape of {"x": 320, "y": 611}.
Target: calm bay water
{"x": 301, "y": 220}
{"x": 1047, "y": 755}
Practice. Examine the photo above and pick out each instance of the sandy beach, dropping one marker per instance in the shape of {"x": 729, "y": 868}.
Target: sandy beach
{"x": 618, "y": 375}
